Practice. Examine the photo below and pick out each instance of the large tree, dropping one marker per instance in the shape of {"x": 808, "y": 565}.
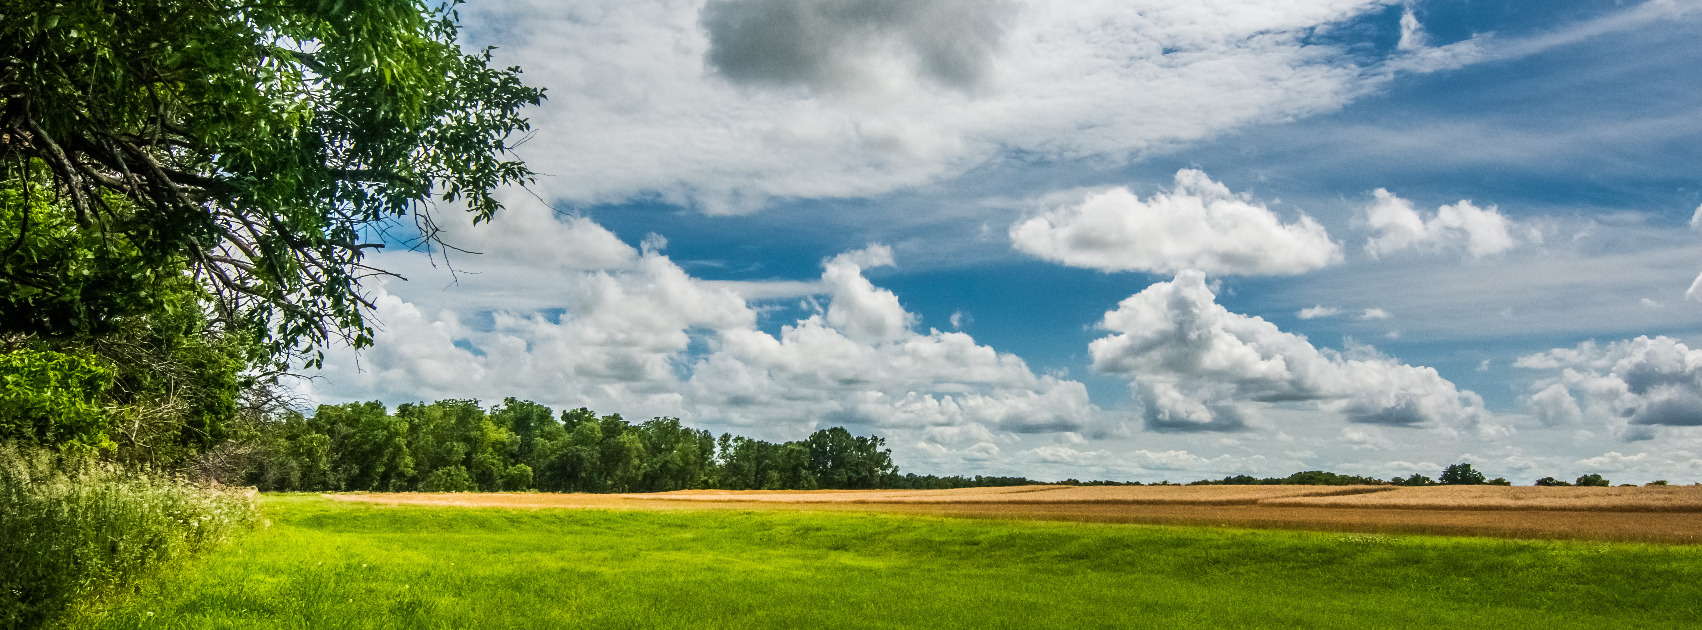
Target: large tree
{"x": 260, "y": 146}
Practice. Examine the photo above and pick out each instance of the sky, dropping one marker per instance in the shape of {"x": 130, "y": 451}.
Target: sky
{"x": 1123, "y": 239}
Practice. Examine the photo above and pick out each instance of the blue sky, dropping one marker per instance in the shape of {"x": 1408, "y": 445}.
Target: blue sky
{"x": 1128, "y": 240}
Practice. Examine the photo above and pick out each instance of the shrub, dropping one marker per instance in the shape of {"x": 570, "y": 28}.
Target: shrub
{"x": 72, "y": 529}
{"x": 1550, "y": 481}
{"x": 1657, "y": 482}
{"x": 1498, "y": 481}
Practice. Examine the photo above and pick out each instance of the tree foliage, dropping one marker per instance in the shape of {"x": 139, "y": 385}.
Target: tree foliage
{"x": 1592, "y": 479}
{"x": 257, "y": 145}
{"x": 1462, "y": 475}
{"x": 456, "y": 446}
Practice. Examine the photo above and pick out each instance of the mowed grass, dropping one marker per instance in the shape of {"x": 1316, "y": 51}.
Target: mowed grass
{"x": 328, "y": 564}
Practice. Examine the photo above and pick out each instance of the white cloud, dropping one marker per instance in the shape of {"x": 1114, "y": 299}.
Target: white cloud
{"x": 859, "y": 310}
{"x": 1612, "y": 461}
{"x": 1694, "y": 293}
{"x": 724, "y": 105}
{"x": 1629, "y": 386}
{"x": 530, "y": 232}
{"x": 1315, "y": 312}
{"x": 1198, "y": 366}
{"x": 1199, "y": 224}
{"x": 1374, "y": 313}
{"x": 1365, "y": 438}
{"x": 1412, "y": 32}
{"x": 1696, "y": 219}
{"x": 1398, "y": 227}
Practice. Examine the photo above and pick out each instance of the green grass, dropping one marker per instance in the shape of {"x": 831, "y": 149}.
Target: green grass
{"x": 325, "y": 564}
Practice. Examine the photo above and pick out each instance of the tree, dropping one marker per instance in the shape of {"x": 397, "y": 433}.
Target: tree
{"x": 1415, "y": 480}
{"x": 1461, "y": 475}
{"x": 1550, "y": 481}
{"x": 261, "y": 146}
{"x": 1593, "y": 479}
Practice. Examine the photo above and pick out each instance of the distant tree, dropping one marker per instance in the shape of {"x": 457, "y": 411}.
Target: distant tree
{"x": 1461, "y": 475}
{"x": 1550, "y": 481}
{"x": 841, "y": 460}
{"x": 1415, "y": 480}
{"x": 1498, "y": 481}
{"x": 1593, "y": 479}
{"x": 1657, "y": 482}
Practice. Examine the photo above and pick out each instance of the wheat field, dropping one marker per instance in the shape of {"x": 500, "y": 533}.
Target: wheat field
{"x": 1671, "y": 514}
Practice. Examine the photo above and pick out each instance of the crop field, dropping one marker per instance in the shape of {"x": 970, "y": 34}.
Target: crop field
{"x": 1669, "y": 514}
{"x": 623, "y": 562}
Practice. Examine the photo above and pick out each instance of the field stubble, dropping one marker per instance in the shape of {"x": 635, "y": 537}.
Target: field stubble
{"x": 1669, "y": 514}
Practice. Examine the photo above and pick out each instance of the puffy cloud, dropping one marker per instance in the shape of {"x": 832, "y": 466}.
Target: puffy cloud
{"x": 1199, "y": 367}
{"x": 615, "y": 342}
{"x": 1555, "y": 406}
{"x": 723, "y": 105}
{"x": 1630, "y": 386}
{"x": 1695, "y": 291}
{"x": 859, "y": 310}
{"x": 531, "y": 232}
{"x": 834, "y": 45}
{"x": 644, "y": 337}
{"x": 1696, "y": 219}
{"x": 1199, "y": 224}
{"x": 1374, "y": 313}
{"x": 1399, "y": 226}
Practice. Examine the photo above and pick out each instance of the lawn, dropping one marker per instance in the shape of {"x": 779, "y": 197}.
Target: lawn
{"x": 329, "y": 564}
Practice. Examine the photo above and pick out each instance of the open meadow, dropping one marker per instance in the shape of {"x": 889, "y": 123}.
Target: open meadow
{"x": 625, "y": 562}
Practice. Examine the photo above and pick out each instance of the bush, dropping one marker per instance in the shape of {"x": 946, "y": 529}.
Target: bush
{"x": 518, "y": 477}
{"x": 448, "y": 479}
{"x": 72, "y": 529}
{"x": 49, "y": 397}
{"x": 1593, "y": 479}
{"x": 1550, "y": 481}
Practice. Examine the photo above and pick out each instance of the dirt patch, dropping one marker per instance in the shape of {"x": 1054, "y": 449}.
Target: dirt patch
{"x": 1618, "y": 514}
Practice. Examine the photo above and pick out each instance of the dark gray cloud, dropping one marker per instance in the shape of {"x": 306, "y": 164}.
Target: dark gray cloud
{"x": 1674, "y": 407}
{"x": 828, "y": 44}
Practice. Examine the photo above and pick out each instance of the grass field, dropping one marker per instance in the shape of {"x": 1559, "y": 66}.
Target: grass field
{"x": 338, "y": 564}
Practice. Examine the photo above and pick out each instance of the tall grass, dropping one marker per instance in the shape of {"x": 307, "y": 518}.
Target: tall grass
{"x": 73, "y": 529}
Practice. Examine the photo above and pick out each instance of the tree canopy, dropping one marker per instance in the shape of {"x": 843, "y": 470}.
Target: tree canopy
{"x": 261, "y": 147}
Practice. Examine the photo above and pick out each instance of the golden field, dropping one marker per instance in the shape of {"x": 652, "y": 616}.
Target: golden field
{"x": 1669, "y": 514}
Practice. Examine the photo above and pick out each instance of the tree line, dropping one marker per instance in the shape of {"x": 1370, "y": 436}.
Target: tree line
{"x": 1454, "y": 475}
{"x": 459, "y": 446}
